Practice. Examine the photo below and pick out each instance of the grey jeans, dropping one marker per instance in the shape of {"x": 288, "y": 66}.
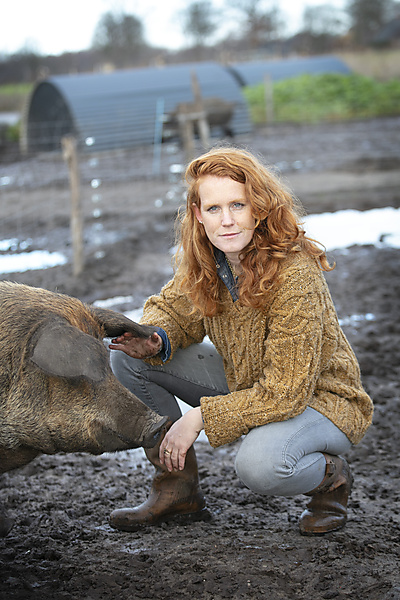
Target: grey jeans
{"x": 282, "y": 459}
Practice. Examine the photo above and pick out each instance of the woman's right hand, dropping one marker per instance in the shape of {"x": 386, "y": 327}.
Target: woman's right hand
{"x": 137, "y": 347}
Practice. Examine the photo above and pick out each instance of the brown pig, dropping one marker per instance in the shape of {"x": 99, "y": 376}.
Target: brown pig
{"x": 57, "y": 390}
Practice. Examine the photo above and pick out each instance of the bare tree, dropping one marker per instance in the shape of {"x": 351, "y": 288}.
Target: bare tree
{"x": 200, "y": 21}
{"x": 119, "y": 37}
{"x": 262, "y": 21}
{"x": 321, "y": 31}
{"x": 323, "y": 19}
{"x": 367, "y": 17}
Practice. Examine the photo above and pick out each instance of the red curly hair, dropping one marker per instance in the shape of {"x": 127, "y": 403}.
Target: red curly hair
{"x": 278, "y": 231}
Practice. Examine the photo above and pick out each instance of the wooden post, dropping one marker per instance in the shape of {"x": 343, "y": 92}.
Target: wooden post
{"x": 70, "y": 155}
{"x": 186, "y": 131}
{"x": 158, "y": 134}
{"x": 189, "y": 115}
{"x": 204, "y": 128}
{"x": 269, "y": 99}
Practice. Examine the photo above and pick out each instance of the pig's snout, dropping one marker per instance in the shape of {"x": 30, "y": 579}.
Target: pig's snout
{"x": 153, "y": 434}
{"x": 109, "y": 439}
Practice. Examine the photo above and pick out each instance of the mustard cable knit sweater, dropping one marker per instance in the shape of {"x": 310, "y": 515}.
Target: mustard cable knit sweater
{"x": 279, "y": 360}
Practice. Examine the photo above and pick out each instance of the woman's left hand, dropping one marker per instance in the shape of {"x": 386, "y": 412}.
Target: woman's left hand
{"x": 179, "y": 438}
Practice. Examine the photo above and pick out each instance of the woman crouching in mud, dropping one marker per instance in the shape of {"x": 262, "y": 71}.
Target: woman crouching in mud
{"x": 279, "y": 371}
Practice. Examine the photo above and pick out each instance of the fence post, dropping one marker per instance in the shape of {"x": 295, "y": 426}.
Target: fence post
{"x": 202, "y": 123}
{"x": 269, "y": 98}
{"x": 186, "y": 131}
{"x": 70, "y": 155}
{"x": 158, "y": 133}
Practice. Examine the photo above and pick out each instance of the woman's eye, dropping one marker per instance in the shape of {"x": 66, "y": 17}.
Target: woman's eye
{"x": 212, "y": 209}
{"x": 238, "y": 205}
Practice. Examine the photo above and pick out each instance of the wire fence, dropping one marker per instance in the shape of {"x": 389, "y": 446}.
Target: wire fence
{"x": 37, "y": 204}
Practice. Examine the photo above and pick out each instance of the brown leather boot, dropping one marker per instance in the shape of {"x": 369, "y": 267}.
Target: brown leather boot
{"x": 327, "y": 509}
{"x": 174, "y": 495}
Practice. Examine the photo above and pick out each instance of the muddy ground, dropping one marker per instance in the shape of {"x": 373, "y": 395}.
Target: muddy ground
{"x": 61, "y": 546}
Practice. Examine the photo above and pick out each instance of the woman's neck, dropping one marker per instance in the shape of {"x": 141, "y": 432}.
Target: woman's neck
{"x": 234, "y": 264}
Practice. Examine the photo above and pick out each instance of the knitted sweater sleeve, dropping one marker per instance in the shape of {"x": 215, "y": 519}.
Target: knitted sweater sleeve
{"x": 300, "y": 339}
{"x": 173, "y": 312}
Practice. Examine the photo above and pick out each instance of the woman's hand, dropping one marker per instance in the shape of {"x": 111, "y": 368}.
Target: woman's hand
{"x": 137, "y": 347}
{"x": 179, "y": 438}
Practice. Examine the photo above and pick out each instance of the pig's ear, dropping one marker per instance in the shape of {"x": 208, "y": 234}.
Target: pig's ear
{"x": 115, "y": 323}
{"x": 63, "y": 350}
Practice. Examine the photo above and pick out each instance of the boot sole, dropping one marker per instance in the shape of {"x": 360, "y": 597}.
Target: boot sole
{"x": 321, "y": 533}
{"x": 201, "y": 515}
{"x": 181, "y": 518}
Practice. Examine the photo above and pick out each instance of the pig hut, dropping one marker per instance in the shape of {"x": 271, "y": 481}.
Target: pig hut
{"x": 254, "y": 72}
{"x": 126, "y": 108}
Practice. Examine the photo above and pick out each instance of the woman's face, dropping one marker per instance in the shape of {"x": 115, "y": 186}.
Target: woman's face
{"x": 226, "y": 215}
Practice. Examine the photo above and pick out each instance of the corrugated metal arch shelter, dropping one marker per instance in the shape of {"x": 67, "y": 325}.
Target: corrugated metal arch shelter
{"x": 254, "y": 72}
{"x": 120, "y": 109}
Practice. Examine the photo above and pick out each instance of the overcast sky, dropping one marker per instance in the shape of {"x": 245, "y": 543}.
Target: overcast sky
{"x": 51, "y": 27}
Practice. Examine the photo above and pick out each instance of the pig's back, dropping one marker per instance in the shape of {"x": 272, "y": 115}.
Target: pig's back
{"x": 22, "y": 310}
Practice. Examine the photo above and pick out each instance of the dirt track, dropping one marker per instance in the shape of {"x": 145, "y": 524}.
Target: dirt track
{"x": 61, "y": 546}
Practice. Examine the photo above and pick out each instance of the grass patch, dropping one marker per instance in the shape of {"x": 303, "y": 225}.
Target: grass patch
{"x": 327, "y": 97}
{"x": 13, "y": 96}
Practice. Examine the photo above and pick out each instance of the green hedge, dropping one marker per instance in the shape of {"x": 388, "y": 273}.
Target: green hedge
{"x": 13, "y": 96}
{"x": 328, "y": 97}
